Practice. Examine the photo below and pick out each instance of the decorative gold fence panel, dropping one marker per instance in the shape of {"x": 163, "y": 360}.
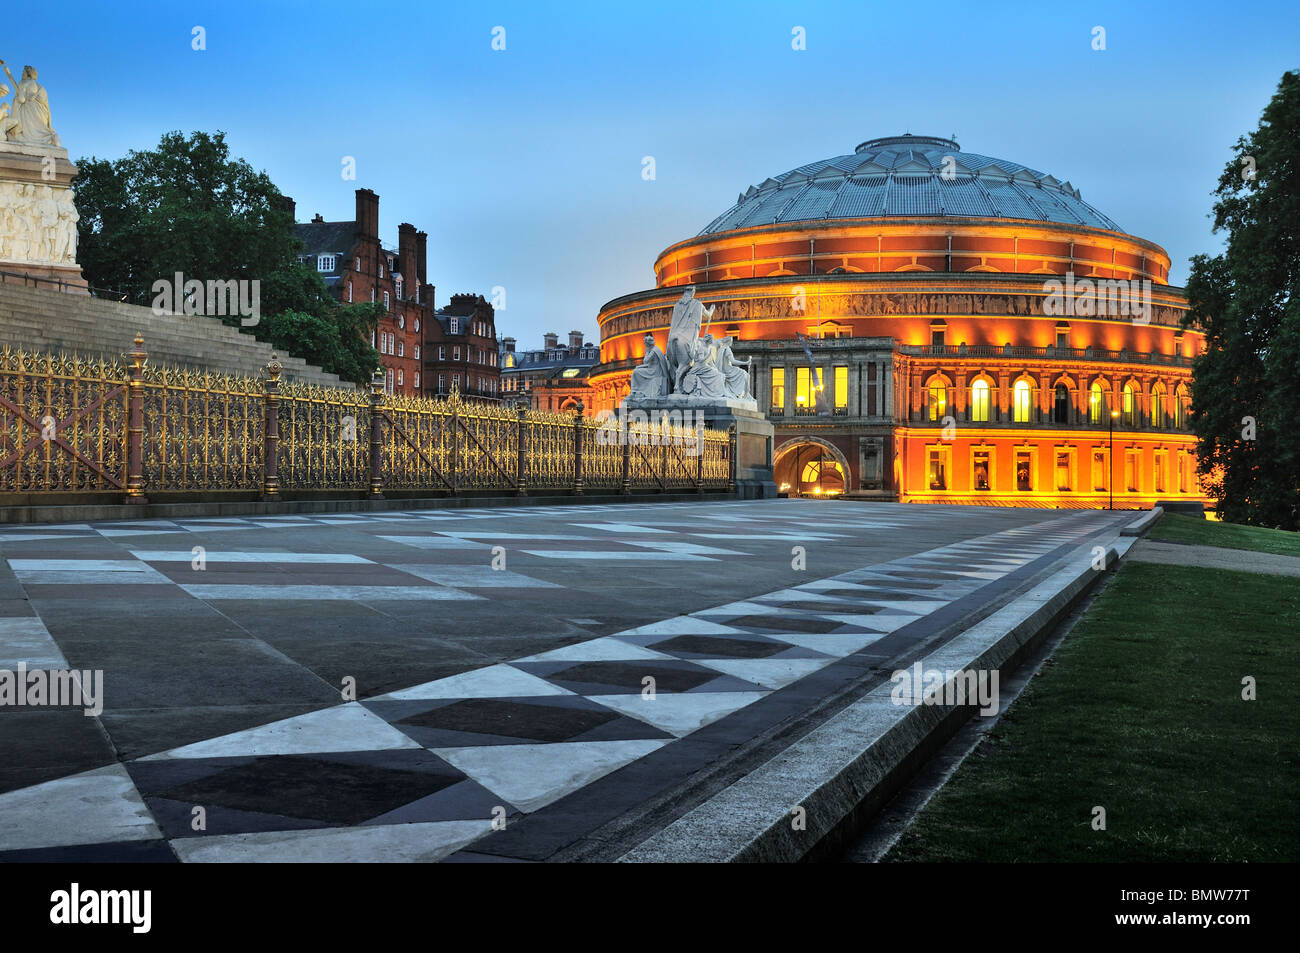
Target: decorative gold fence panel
{"x": 324, "y": 438}
{"x": 78, "y": 426}
{"x": 202, "y": 431}
{"x": 602, "y": 455}
{"x": 62, "y": 423}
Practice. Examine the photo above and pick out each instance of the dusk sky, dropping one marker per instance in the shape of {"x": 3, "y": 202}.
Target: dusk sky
{"x": 525, "y": 165}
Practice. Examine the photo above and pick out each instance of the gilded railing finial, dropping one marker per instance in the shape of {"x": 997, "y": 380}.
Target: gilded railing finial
{"x": 274, "y": 367}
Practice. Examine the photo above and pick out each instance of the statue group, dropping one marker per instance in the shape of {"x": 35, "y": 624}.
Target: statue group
{"x": 37, "y": 224}
{"x": 696, "y": 366}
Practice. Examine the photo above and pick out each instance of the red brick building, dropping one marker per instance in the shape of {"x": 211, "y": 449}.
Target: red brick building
{"x": 462, "y": 349}
{"x": 357, "y": 268}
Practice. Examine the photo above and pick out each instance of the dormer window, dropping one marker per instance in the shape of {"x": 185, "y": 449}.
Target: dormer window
{"x": 455, "y": 325}
{"x": 325, "y": 262}
{"x": 397, "y": 287}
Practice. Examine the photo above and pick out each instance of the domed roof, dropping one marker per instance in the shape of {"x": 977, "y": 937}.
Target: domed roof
{"x": 909, "y": 177}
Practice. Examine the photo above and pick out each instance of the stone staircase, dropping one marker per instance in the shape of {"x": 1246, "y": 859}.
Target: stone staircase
{"x": 38, "y": 319}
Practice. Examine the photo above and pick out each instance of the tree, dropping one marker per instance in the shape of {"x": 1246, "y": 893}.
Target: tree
{"x": 188, "y": 207}
{"x": 1246, "y": 386}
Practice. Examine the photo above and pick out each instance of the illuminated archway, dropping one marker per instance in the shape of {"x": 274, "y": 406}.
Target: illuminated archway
{"x": 810, "y": 466}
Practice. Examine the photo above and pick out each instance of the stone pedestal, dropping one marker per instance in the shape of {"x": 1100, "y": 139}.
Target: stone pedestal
{"x": 754, "y": 475}
{"x": 37, "y": 217}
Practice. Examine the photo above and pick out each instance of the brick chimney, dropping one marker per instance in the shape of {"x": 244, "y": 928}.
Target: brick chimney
{"x": 367, "y": 215}
{"x": 550, "y": 340}
{"x": 575, "y": 340}
{"x": 407, "y": 257}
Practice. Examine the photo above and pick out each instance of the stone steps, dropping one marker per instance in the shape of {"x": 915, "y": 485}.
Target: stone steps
{"x": 38, "y": 319}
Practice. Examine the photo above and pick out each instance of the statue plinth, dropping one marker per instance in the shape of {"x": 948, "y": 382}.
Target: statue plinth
{"x": 38, "y": 237}
{"x": 755, "y": 478}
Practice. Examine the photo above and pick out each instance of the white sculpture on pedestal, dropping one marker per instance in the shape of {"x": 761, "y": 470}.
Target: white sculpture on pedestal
{"x": 29, "y": 119}
{"x": 650, "y": 379}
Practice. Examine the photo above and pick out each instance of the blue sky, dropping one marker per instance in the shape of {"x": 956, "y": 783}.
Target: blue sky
{"x": 524, "y": 166}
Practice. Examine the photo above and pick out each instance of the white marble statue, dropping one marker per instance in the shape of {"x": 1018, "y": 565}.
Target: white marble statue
{"x": 702, "y": 379}
{"x": 683, "y": 333}
{"x": 65, "y": 245}
{"x": 734, "y": 371}
{"x": 29, "y": 119}
{"x": 650, "y": 379}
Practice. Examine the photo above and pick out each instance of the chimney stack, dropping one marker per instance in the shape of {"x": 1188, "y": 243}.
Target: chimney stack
{"x": 508, "y": 344}
{"x": 407, "y": 257}
{"x": 367, "y": 215}
{"x": 575, "y": 340}
{"x": 317, "y": 218}
{"x": 551, "y": 340}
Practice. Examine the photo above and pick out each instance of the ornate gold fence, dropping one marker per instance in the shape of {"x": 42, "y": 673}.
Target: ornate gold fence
{"x": 74, "y": 426}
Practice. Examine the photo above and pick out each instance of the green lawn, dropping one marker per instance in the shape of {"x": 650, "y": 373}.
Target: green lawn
{"x": 1140, "y": 711}
{"x": 1185, "y": 529}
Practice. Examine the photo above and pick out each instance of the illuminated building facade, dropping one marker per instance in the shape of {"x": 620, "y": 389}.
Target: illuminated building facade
{"x": 978, "y": 332}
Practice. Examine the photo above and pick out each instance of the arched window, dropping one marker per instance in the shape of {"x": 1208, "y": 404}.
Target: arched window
{"x": 1158, "y": 406}
{"x": 979, "y": 401}
{"x": 1180, "y": 407}
{"x": 1129, "y": 408}
{"x": 938, "y": 400}
{"x": 1097, "y": 403}
{"x": 1061, "y": 407}
{"x": 1023, "y": 402}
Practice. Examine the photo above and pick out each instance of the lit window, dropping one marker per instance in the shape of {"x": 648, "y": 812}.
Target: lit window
{"x": 842, "y": 389}
{"x": 778, "y": 390}
{"x": 1096, "y": 403}
{"x": 981, "y": 470}
{"x": 1024, "y": 471}
{"x": 979, "y": 401}
{"x": 1023, "y": 402}
{"x": 1158, "y": 407}
{"x": 1129, "y": 407}
{"x": 1100, "y": 471}
{"x": 805, "y": 397}
{"x": 937, "y": 465}
{"x": 1180, "y": 408}
{"x": 1064, "y": 477}
{"x": 938, "y": 402}
{"x": 325, "y": 262}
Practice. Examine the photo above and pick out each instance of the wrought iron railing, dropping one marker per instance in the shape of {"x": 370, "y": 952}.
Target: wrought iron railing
{"x": 75, "y": 426}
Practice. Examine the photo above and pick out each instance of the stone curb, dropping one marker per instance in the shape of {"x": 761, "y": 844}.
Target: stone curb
{"x": 1139, "y": 526}
{"x": 81, "y": 513}
{"x": 847, "y": 768}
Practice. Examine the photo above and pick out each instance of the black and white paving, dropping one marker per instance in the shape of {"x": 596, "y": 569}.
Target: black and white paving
{"x": 467, "y": 685}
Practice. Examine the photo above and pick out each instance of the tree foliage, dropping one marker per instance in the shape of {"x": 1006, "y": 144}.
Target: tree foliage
{"x": 187, "y": 207}
{"x": 1247, "y": 301}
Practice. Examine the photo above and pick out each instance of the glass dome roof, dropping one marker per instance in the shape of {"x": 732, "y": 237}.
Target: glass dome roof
{"x": 909, "y": 177}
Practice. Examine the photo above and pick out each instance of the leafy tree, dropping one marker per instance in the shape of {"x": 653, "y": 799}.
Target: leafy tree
{"x": 1247, "y": 301}
{"x": 187, "y": 207}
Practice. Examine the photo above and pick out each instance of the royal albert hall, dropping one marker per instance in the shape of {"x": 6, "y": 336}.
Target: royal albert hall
{"x": 947, "y": 366}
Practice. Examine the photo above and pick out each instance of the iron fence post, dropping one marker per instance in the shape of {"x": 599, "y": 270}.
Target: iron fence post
{"x": 731, "y": 461}
{"x": 625, "y": 432}
{"x": 376, "y": 437}
{"x": 271, "y": 433}
{"x": 577, "y": 451}
{"x": 135, "y": 424}
{"x": 521, "y": 442}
